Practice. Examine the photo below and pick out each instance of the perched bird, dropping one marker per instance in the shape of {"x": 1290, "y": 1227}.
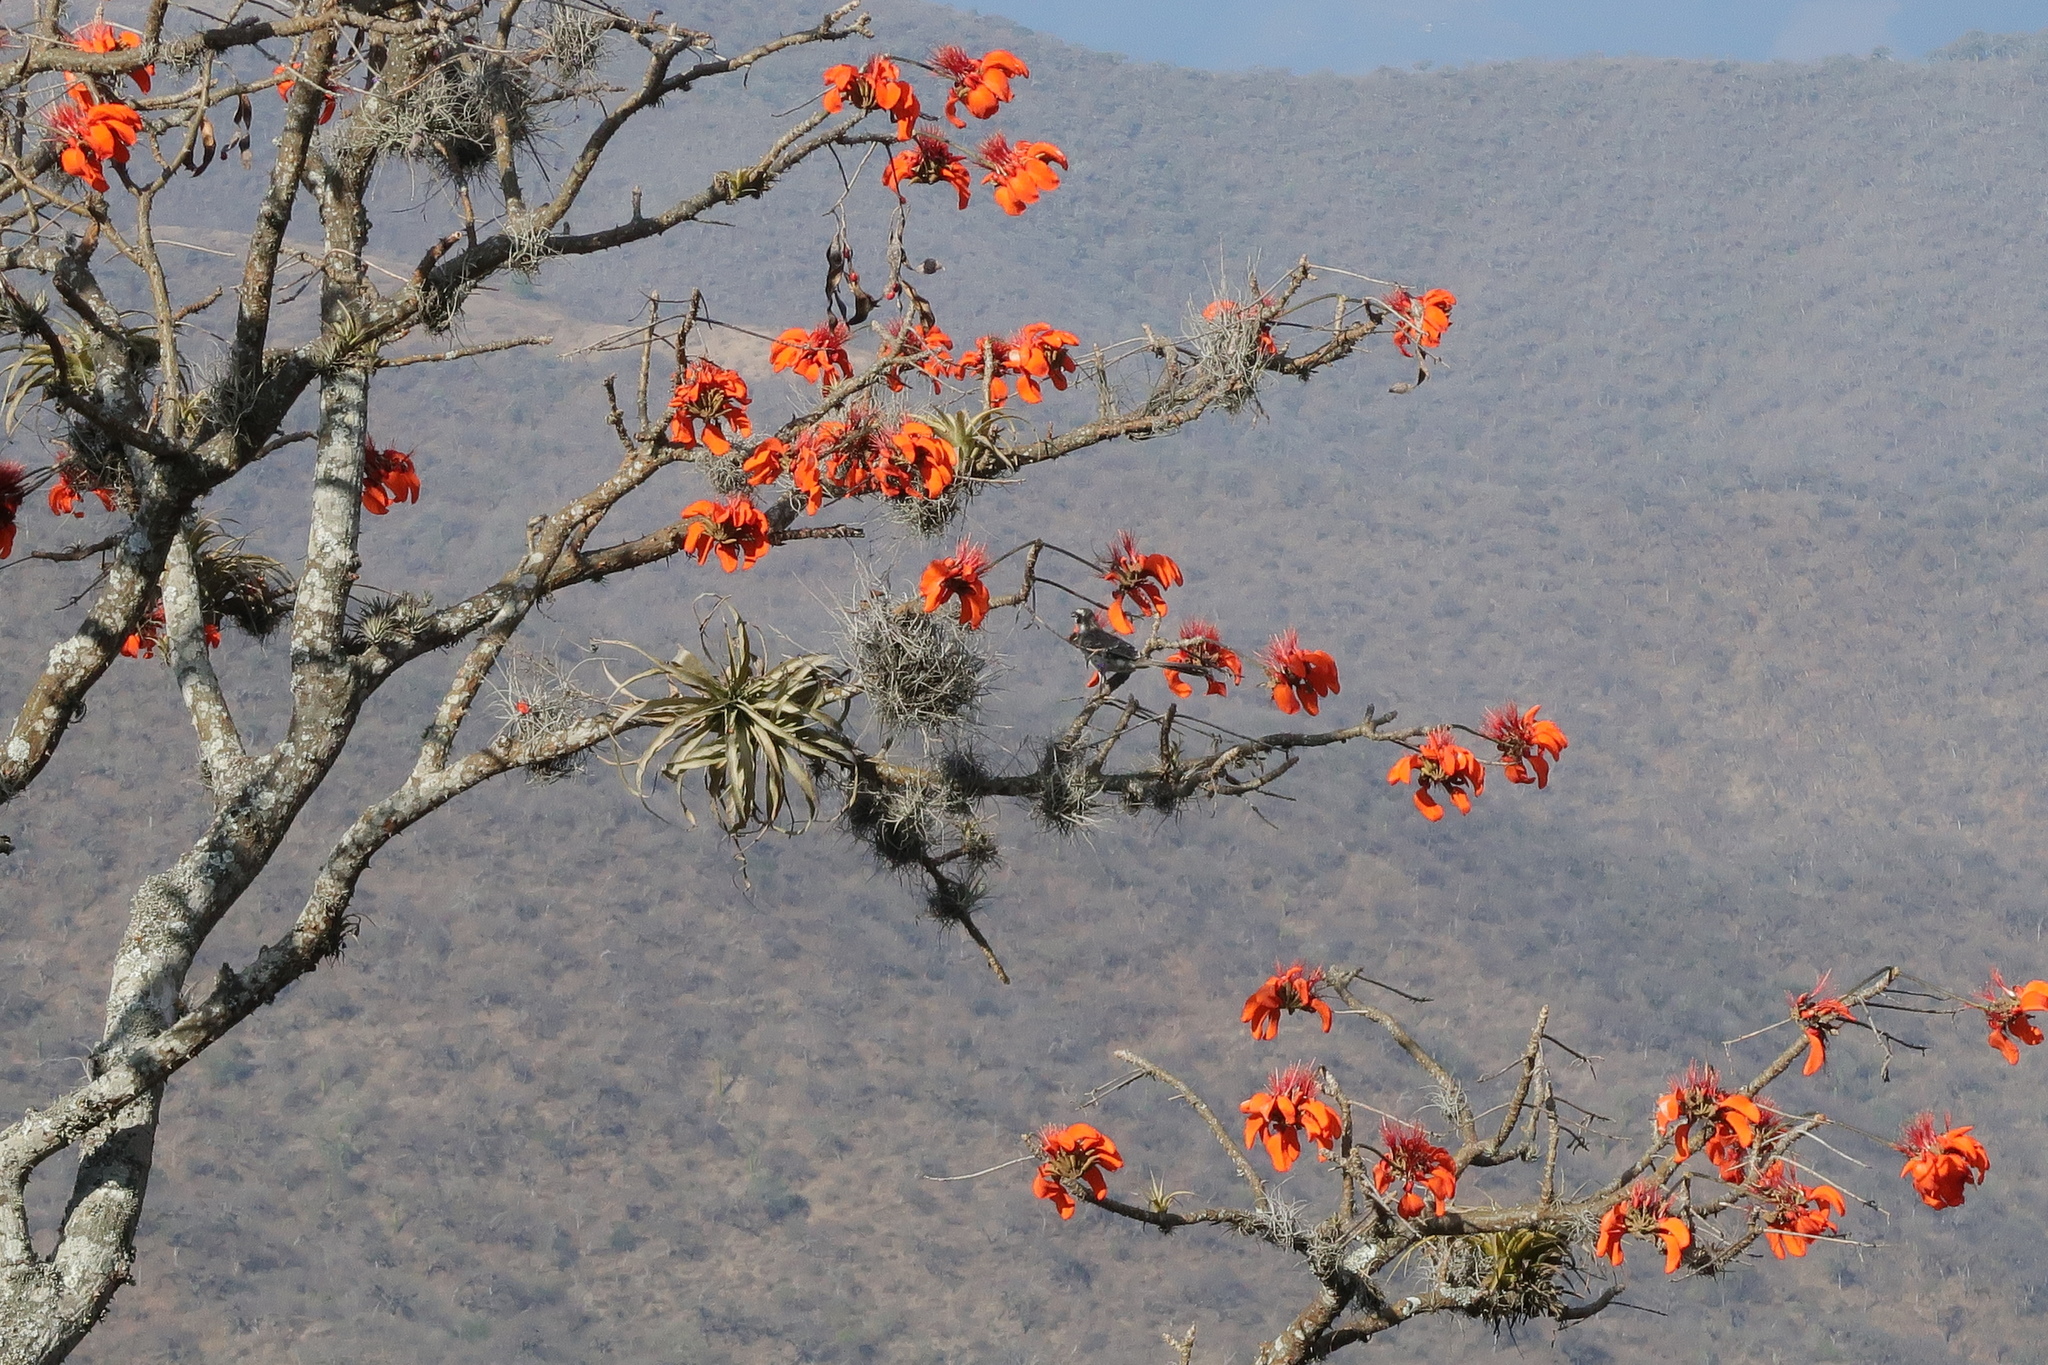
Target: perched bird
{"x": 1109, "y": 654}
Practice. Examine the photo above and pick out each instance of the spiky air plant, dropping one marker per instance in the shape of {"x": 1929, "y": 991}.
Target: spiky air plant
{"x": 1069, "y": 795}
{"x": 34, "y": 367}
{"x": 1508, "y": 1277}
{"x": 394, "y": 621}
{"x": 253, "y": 591}
{"x": 749, "y": 731}
{"x": 918, "y": 672}
{"x": 977, "y": 436}
{"x": 536, "y": 698}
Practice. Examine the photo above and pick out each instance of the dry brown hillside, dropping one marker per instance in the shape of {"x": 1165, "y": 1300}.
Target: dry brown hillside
{"x": 1737, "y": 465}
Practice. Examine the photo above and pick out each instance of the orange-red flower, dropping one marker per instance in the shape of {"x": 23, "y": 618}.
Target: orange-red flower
{"x": 1289, "y": 989}
{"x": 862, "y": 454}
{"x": 1699, "y": 1098}
{"x": 1020, "y": 171}
{"x": 2008, "y": 1014}
{"x": 1202, "y": 647}
{"x": 1646, "y": 1212}
{"x": 715, "y": 397}
{"x": 765, "y": 461}
{"x": 1039, "y": 351}
{"x": 878, "y": 84}
{"x": 981, "y": 83}
{"x": 1225, "y": 307}
{"x": 1799, "y": 1213}
{"x": 1819, "y": 1015}
{"x": 958, "y": 575}
{"x": 907, "y": 346}
{"x": 1940, "y": 1164}
{"x": 1441, "y": 762}
{"x": 1141, "y": 577}
{"x": 1730, "y": 1153}
{"x": 1412, "y": 1159}
{"x": 13, "y": 488}
{"x": 1300, "y": 677}
{"x": 148, "y": 637}
{"x": 1290, "y": 1104}
{"x": 91, "y": 132}
{"x": 284, "y": 90}
{"x": 1420, "y": 322}
{"x": 1525, "y": 743}
{"x": 929, "y": 160}
{"x": 143, "y": 641}
{"x": 100, "y": 36}
{"x": 736, "y": 529}
{"x": 1076, "y": 1152}
{"x": 819, "y": 355}
{"x": 65, "y": 497}
{"x": 388, "y": 477}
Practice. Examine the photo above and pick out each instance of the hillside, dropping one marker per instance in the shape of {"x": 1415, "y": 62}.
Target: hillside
{"x": 1745, "y": 369}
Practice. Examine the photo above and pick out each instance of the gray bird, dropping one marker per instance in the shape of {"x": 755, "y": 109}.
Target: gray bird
{"x": 1109, "y": 654}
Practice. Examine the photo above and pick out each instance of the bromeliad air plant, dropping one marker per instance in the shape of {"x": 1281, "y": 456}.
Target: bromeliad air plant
{"x": 749, "y": 730}
{"x": 1459, "y": 1214}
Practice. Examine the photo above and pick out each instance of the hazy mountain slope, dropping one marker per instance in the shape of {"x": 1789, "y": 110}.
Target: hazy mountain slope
{"x": 1735, "y": 467}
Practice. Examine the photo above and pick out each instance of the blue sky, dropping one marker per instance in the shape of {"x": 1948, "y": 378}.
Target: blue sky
{"x": 1358, "y": 35}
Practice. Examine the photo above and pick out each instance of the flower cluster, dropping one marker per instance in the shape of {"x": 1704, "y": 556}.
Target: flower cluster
{"x": 1139, "y": 577}
{"x": 819, "y": 355}
{"x": 65, "y": 497}
{"x": 1818, "y": 1015}
{"x": 1291, "y": 1104}
{"x": 1039, "y": 353}
{"x": 1287, "y": 991}
{"x": 101, "y": 36}
{"x": 860, "y": 454}
{"x": 735, "y": 529}
{"x": 925, "y": 349}
{"x": 13, "y": 488}
{"x": 148, "y": 637}
{"x": 714, "y": 398}
{"x": 1300, "y": 677}
{"x": 1021, "y": 171}
{"x": 288, "y": 77}
{"x": 2008, "y": 1014}
{"x": 877, "y": 84}
{"x": 929, "y": 160}
{"x": 91, "y": 132}
{"x": 1076, "y": 1152}
{"x": 1798, "y": 1213}
{"x": 1420, "y": 322}
{"x": 1202, "y": 647}
{"x": 1699, "y": 1098}
{"x": 1412, "y": 1159}
{"x": 1440, "y": 762}
{"x": 1940, "y": 1164}
{"x": 958, "y": 575}
{"x": 1527, "y": 745}
{"x": 1645, "y": 1211}
{"x": 388, "y": 477}
{"x": 981, "y": 83}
